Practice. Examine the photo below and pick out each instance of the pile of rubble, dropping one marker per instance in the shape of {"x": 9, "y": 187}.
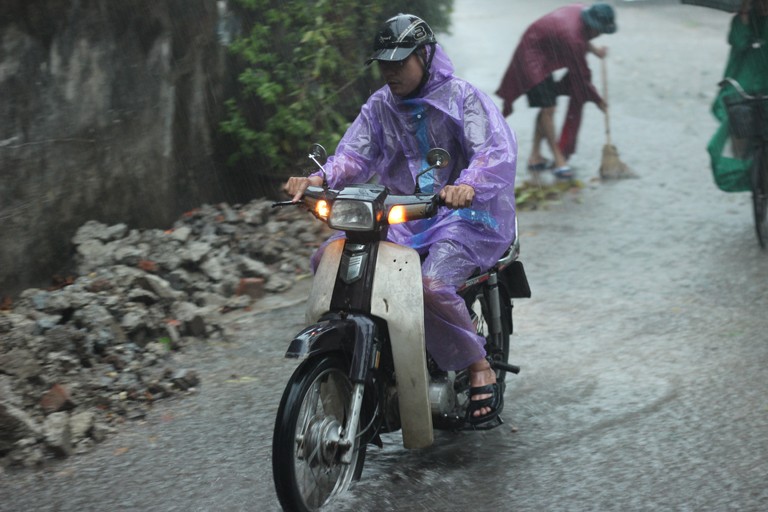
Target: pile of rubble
{"x": 76, "y": 360}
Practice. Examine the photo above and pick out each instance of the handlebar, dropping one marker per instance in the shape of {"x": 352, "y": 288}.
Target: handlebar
{"x": 315, "y": 193}
{"x": 736, "y": 85}
{"x": 285, "y": 203}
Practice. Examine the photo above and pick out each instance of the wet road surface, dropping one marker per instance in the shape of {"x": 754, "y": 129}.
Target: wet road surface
{"x": 644, "y": 348}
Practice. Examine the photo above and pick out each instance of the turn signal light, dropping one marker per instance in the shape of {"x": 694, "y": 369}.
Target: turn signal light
{"x": 323, "y": 209}
{"x": 397, "y": 214}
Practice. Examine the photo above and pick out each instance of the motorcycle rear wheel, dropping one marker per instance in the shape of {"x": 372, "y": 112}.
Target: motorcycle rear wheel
{"x": 313, "y": 412}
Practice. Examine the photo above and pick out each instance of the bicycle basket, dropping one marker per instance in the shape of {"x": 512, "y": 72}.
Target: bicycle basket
{"x": 743, "y": 116}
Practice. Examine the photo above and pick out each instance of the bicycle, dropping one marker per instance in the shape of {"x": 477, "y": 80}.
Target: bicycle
{"x": 748, "y": 118}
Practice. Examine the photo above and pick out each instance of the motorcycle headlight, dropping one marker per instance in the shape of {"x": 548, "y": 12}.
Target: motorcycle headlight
{"x": 351, "y": 215}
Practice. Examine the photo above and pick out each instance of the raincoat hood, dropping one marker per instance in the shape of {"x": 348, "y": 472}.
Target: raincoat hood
{"x": 439, "y": 71}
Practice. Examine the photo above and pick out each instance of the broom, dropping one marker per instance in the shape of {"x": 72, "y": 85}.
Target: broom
{"x": 611, "y": 167}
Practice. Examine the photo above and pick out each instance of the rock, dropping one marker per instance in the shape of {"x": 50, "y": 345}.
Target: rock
{"x": 100, "y": 431}
{"x": 278, "y": 283}
{"x": 209, "y": 299}
{"x": 20, "y": 363}
{"x": 81, "y": 425}
{"x": 237, "y": 302}
{"x": 158, "y": 286}
{"x": 253, "y": 287}
{"x": 192, "y": 318}
{"x": 196, "y": 251}
{"x": 143, "y": 296}
{"x": 93, "y": 255}
{"x": 181, "y": 234}
{"x": 45, "y": 323}
{"x": 253, "y": 268}
{"x": 58, "y": 433}
{"x": 26, "y": 453}
{"x": 15, "y": 424}
{"x": 135, "y": 318}
{"x": 93, "y": 230}
{"x": 6, "y": 323}
{"x": 56, "y": 399}
{"x": 65, "y": 338}
{"x": 213, "y": 268}
{"x": 129, "y": 255}
{"x": 185, "y": 379}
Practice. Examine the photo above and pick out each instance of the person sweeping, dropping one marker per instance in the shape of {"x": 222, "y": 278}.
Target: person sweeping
{"x": 558, "y": 40}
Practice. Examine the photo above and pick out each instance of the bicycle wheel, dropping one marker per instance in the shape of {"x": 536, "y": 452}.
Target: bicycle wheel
{"x": 306, "y": 456}
{"x": 759, "y": 177}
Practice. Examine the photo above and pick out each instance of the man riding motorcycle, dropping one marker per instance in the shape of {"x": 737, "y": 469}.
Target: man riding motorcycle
{"x": 424, "y": 105}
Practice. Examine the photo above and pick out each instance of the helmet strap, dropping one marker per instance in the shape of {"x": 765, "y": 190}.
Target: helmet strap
{"x": 430, "y": 54}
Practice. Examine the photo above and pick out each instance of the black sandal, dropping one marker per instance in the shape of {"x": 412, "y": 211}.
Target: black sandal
{"x": 495, "y": 402}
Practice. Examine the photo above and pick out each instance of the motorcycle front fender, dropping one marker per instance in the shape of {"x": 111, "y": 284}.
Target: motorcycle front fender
{"x": 326, "y": 336}
{"x": 397, "y": 296}
{"x": 354, "y": 335}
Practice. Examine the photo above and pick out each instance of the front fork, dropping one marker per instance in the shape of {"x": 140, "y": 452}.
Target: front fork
{"x": 347, "y": 441}
{"x": 364, "y": 357}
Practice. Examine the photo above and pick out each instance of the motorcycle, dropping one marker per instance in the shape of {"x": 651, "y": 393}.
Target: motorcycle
{"x": 364, "y": 368}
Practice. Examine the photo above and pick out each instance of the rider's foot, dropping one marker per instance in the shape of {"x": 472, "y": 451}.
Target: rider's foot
{"x": 481, "y": 374}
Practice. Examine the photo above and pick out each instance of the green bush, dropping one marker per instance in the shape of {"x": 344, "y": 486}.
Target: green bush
{"x": 304, "y": 78}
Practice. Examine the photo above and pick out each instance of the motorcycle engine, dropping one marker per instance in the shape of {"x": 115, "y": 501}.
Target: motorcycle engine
{"x": 442, "y": 399}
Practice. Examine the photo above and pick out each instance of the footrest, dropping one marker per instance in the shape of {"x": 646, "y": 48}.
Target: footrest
{"x": 498, "y": 365}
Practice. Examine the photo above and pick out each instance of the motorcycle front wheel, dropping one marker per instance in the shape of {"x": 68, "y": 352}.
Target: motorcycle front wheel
{"x": 306, "y": 456}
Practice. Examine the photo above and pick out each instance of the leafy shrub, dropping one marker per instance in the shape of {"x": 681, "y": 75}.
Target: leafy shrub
{"x": 304, "y": 78}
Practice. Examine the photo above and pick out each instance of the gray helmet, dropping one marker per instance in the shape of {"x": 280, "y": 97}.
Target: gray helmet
{"x": 399, "y": 37}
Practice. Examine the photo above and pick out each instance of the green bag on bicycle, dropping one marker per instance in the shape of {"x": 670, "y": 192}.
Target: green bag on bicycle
{"x": 730, "y": 172}
{"x": 748, "y": 65}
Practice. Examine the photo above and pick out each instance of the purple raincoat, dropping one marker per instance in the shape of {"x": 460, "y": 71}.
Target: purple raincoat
{"x": 389, "y": 140}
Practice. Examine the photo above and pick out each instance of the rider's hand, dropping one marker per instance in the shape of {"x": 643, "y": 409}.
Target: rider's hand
{"x": 457, "y": 196}
{"x": 296, "y": 185}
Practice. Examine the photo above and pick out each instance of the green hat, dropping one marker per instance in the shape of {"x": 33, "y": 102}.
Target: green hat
{"x": 599, "y": 17}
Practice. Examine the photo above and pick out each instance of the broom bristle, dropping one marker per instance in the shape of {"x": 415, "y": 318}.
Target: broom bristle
{"x": 612, "y": 167}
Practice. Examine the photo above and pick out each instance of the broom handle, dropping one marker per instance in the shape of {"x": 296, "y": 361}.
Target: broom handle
{"x": 605, "y": 99}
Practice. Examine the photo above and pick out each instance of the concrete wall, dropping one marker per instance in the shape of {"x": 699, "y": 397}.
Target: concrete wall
{"x": 108, "y": 111}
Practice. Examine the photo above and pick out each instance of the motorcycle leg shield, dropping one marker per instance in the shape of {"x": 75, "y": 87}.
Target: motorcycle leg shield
{"x": 398, "y": 298}
{"x": 319, "y": 301}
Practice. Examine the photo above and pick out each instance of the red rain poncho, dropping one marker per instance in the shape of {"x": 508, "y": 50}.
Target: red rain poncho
{"x": 558, "y": 40}
{"x": 389, "y": 140}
